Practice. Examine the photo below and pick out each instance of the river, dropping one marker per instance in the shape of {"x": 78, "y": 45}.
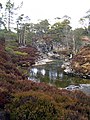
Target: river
{"x": 53, "y": 74}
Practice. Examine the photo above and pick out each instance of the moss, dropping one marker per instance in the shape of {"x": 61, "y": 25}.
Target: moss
{"x": 20, "y": 53}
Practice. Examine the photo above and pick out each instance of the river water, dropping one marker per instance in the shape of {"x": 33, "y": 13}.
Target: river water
{"x": 53, "y": 74}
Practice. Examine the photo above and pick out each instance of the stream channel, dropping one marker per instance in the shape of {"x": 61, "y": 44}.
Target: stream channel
{"x": 53, "y": 74}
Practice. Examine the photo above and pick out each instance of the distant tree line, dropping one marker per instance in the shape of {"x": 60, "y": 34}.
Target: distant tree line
{"x": 61, "y": 31}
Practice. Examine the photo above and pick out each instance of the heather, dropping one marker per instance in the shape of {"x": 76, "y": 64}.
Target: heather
{"x": 81, "y": 62}
{"x": 26, "y": 100}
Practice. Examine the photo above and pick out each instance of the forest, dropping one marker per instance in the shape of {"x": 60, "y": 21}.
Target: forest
{"x": 22, "y": 43}
{"x": 26, "y": 32}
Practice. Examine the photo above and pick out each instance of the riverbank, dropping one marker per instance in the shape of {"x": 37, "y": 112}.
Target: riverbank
{"x": 79, "y": 65}
{"x": 81, "y": 62}
{"x": 43, "y": 61}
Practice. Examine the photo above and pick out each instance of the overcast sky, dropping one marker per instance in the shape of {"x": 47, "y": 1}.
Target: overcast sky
{"x": 50, "y": 9}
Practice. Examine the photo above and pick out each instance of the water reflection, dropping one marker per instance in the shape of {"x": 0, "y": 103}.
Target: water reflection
{"x": 43, "y": 72}
{"x": 53, "y": 74}
{"x": 47, "y": 73}
{"x": 34, "y": 71}
{"x": 61, "y": 75}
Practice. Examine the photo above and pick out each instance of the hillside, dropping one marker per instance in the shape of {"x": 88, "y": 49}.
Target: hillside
{"x": 81, "y": 62}
{"x": 22, "y": 99}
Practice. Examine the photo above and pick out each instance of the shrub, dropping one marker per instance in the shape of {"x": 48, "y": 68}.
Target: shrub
{"x": 34, "y": 106}
{"x": 20, "y": 53}
{"x": 10, "y": 50}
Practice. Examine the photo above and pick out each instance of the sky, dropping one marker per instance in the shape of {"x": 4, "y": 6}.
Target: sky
{"x": 50, "y": 9}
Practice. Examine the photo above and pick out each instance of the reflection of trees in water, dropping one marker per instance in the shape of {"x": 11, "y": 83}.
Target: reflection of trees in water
{"x": 51, "y": 73}
{"x": 34, "y": 71}
{"x": 61, "y": 75}
{"x": 43, "y": 71}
